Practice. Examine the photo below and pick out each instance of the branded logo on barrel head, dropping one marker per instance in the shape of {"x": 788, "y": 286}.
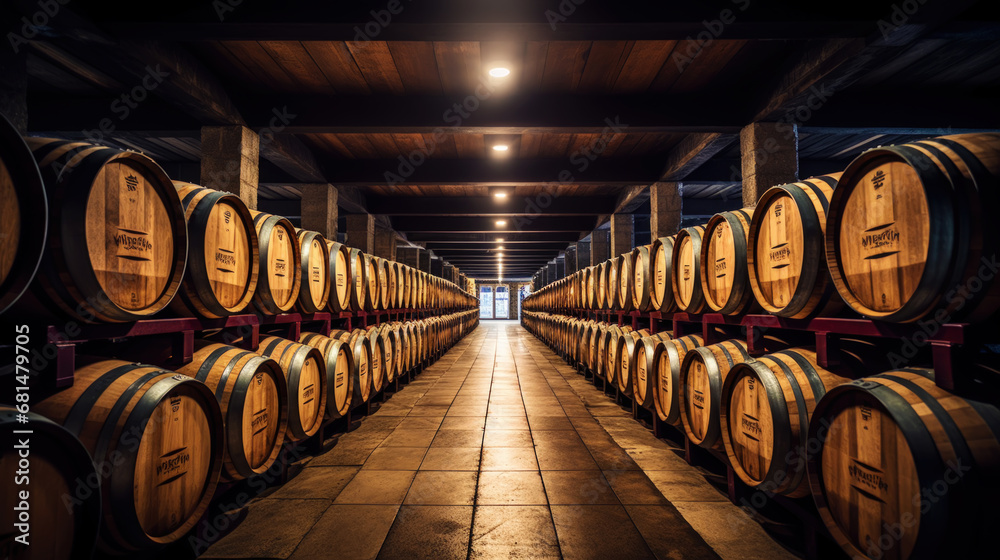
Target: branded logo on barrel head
{"x": 259, "y": 377}
{"x": 172, "y": 462}
{"x": 720, "y": 266}
{"x": 751, "y": 426}
{"x": 687, "y": 272}
{"x": 175, "y": 404}
{"x": 879, "y": 242}
{"x": 131, "y": 183}
{"x": 777, "y": 209}
{"x": 281, "y": 235}
{"x": 868, "y": 479}
{"x": 130, "y": 240}
{"x": 878, "y": 179}
{"x": 225, "y": 259}
{"x": 228, "y": 215}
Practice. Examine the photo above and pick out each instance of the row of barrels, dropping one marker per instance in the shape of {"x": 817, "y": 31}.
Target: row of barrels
{"x": 902, "y": 234}
{"x": 892, "y": 461}
{"x": 138, "y": 449}
{"x": 103, "y": 235}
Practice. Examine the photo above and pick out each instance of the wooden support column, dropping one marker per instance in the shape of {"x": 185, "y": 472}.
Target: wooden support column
{"x": 230, "y": 156}
{"x": 14, "y": 69}
{"x": 665, "y": 205}
{"x": 544, "y": 275}
{"x": 621, "y": 234}
{"x": 571, "y": 266}
{"x": 424, "y": 260}
{"x": 600, "y": 246}
{"x": 582, "y": 254}
{"x": 385, "y": 243}
{"x": 319, "y": 209}
{"x": 410, "y": 256}
{"x": 447, "y": 271}
{"x": 437, "y": 267}
{"x": 560, "y": 268}
{"x": 361, "y": 232}
{"x": 768, "y": 157}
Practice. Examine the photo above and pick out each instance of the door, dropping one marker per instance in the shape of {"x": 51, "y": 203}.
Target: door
{"x": 486, "y": 302}
{"x": 502, "y": 303}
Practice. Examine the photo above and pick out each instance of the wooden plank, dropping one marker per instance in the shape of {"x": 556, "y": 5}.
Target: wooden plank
{"x": 336, "y": 62}
{"x": 642, "y": 66}
{"x": 459, "y": 66}
{"x": 691, "y": 152}
{"x": 470, "y": 145}
{"x": 604, "y": 63}
{"x": 57, "y": 79}
{"x": 302, "y": 69}
{"x": 75, "y": 66}
{"x": 358, "y": 145}
{"x": 445, "y": 148}
{"x": 292, "y": 156}
{"x": 564, "y": 63}
{"x": 417, "y": 66}
{"x": 384, "y": 145}
{"x": 530, "y": 144}
{"x": 554, "y": 145}
{"x": 534, "y": 65}
{"x": 261, "y": 65}
{"x": 709, "y": 62}
{"x": 410, "y": 143}
{"x": 376, "y": 65}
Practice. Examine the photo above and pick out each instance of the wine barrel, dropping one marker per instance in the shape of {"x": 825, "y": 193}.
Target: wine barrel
{"x": 662, "y": 255}
{"x": 377, "y": 364}
{"x": 389, "y": 346}
{"x": 624, "y": 368}
{"x": 765, "y": 409}
{"x": 787, "y": 273}
{"x": 613, "y": 349}
{"x": 305, "y": 377}
{"x": 221, "y": 275}
{"x": 339, "y": 371}
{"x": 340, "y": 277}
{"x": 117, "y": 241}
{"x": 254, "y": 400}
{"x": 157, "y": 440}
{"x": 60, "y": 468}
{"x": 361, "y": 349}
{"x": 625, "y": 279}
{"x": 644, "y": 377}
{"x": 668, "y": 356}
{"x": 901, "y": 464}
{"x": 359, "y": 281}
{"x": 24, "y": 215}
{"x": 280, "y": 263}
{"x": 642, "y": 278}
{"x": 314, "y": 293}
{"x": 723, "y": 262}
{"x": 911, "y": 230}
{"x": 601, "y": 285}
{"x": 372, "y": 276}
{"x": 686, "y": 278}
{"x": 703, "y": 373}
{"x": 612, "y": 285}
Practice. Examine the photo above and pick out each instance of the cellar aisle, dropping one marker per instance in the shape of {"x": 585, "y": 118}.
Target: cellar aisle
{"x": 498, "y": 450}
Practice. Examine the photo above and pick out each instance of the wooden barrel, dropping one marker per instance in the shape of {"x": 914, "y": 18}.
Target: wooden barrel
{"x": 901, "y": 464}
{"x": 723, "y": 262}
{"x": 668, "y": 357}
{"x": 402, "y": 291}
{"x": 340, "y": 277}
{"x": 612, "y": 285}
{"x": 358, "y": 268}
{"x": 642, "y": 278}
{"x": 60, "y": 468}
{"x": 117, "y": 240}
{"x": 389, "y": 347}
{"x": 686, "y": 268}
{"x": 377, "y": 364}
{"x": 624, "y": 368}
{"x": 662, "y": 291}
{"x": 314, "y": 255}
{"x": 254, "y": 399}
{"x": 644, "y": 376}
{"x": 305, "y": 377}
{"x": 339, "y": 371}
{"x": 157, "y": 439}
{"x": 613, "y": 349}
{"x": 703, "y": 373}
{"x": 280, "y": 263}
{"x": 911, "y": 230}
{"x": 788, "y": 275}
{"x": 24, "y": 215}
{"x": 602, "y": 285}
{"x": 765, "y": 409}
{"x": 625, "y": 279}
{"x": 221, "y": 275}
{"x": 361, "y": 349}
{"x": 372, "y": 276}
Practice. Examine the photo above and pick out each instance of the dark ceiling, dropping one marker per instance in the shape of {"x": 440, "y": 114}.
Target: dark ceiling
{"x": 600, "y": 102}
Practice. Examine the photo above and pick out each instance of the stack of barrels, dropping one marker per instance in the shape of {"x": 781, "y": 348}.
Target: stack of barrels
{"x": 128, "y": 458}
{"x": 890, "y": 459}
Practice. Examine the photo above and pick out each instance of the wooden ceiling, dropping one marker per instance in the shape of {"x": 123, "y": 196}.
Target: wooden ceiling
{"x": 419, "y": 91}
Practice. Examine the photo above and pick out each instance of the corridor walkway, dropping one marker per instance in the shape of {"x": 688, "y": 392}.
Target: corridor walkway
{"x": 498, "y": 450}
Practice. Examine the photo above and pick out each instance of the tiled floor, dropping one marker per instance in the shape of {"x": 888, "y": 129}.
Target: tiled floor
{"x": 498, "y": 450}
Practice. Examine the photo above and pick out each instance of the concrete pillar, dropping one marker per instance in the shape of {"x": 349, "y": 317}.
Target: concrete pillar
{"x": 582, "y": 254}
{"x": 621, "y": 234}
{"x": 560, "y": 268}
{"x": 361, "y": 232}
{"x": 768, "y": 157}
{"x": 571, "y": 265}
{"x": 385, "y": 243}
{"x": 600, "y": 246}
{"x": 14, "y": 69}
{"x": 447, "y": 271}
{"x": 230, "y": 156}
{"x": 319, "y": 209}
{"x": 410, "y": 256}
{"x": 424, "y": 258}
{"x": 544, "y": 276}
{"x": 665, "y": 206}
{"x": 437, "y": 267}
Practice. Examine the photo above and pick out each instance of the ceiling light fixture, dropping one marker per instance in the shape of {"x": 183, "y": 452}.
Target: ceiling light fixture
{"x": 499, "y": 72}
{"x": 500, "y": 194}
{"x": 499, "y": 239}
{"x": 501, "y": 222}
{"x": 500, "y": 147}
